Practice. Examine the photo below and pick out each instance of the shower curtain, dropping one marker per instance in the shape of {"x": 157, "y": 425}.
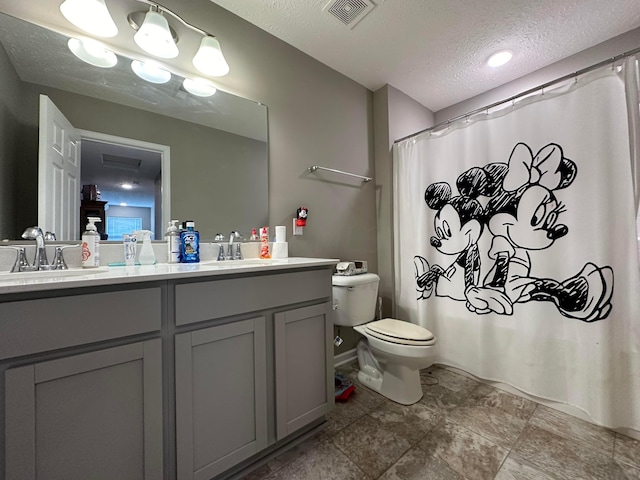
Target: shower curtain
{"x": 515, "y": 244}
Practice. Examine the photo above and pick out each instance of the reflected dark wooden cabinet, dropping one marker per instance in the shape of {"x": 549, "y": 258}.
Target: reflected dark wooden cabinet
{"x": 93, "y": 208}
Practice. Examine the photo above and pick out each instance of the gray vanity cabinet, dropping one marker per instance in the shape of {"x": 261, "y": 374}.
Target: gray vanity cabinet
{"x": 221, "y": 397}
{"x": 81, "y": 401}
{"x": 96, "y": 416}
{"x": 258, "y": 370}
{"x": 303, "y": 366}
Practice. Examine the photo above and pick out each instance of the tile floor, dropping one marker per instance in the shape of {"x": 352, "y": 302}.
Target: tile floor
{"x": 461, "y": 429}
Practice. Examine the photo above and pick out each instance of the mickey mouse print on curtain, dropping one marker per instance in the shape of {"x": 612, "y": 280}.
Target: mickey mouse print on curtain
{"x": 522, "y": 214}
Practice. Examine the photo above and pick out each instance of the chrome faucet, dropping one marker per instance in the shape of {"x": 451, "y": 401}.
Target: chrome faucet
{"x": 238, "y": 253}
{"x": 40, "y": 261}
{"x": 40, "y": 257}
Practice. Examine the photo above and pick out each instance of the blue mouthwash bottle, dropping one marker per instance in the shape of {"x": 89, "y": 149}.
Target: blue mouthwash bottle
{"x": 190, "y": 244}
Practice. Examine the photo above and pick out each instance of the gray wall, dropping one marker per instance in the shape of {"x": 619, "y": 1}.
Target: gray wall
{"x": 9, "y": 151}
{"x": 397, "y": 115}
{"x": 316, "y": 116}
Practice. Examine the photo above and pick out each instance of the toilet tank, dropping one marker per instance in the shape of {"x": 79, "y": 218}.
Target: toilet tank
{"x": 355, "y": 297}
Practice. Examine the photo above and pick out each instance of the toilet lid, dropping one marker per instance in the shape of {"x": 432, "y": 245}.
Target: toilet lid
{"x": 398, "y": 331}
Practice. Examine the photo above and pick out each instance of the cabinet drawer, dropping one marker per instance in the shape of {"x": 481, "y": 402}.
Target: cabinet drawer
{"x": 32, "y": 326}
{"x": 196, "y": 302}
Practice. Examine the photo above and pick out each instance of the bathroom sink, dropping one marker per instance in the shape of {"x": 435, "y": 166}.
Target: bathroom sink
{"x": 246, "y": 262}
{"x": 50, "y": 274}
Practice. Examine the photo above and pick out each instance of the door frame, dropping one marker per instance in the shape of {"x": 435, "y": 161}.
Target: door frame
{"x": 165, "y": 157}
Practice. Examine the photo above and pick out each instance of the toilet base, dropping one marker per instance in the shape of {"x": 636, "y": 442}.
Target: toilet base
{"x": 397, "y": 383}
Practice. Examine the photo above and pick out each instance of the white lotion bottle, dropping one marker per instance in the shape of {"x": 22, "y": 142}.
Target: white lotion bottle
{"x": 173, "y": 242}
{"x": 91, "y": 244}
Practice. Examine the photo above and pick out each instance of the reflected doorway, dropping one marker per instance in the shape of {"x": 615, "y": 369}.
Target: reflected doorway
{"x": 132, "y": 178}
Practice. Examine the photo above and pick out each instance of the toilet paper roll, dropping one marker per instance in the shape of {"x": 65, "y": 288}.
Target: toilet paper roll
{"x": 281, "y": 234}
{"x": 280, "y": 250}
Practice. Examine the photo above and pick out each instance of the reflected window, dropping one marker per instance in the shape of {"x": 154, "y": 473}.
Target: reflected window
{"x": 117, "y": 226}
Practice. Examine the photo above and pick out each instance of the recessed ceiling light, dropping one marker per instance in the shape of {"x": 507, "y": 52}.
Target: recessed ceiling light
{"x": 126, "y": 186}
{"x": 499, "y": 58}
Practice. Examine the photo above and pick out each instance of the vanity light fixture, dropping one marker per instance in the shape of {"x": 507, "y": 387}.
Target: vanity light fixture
{"x": 92, "y": 52}
{"x": 150, "y": 71}
{"x": 499, "y": 58}
{"x": 154, "y": 36}
{"x": 199, "y": 87}
{"x": 209, "y": 59}
{"x": 92, "y": 16}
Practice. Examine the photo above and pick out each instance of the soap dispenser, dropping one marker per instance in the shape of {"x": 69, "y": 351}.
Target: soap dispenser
{"x": 91, "y": 244}
{"x": 147, "y": 257}
{"x": 173, "y": 242}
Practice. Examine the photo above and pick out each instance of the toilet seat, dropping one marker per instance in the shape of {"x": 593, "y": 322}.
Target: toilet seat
{"x": 397, "y": 331}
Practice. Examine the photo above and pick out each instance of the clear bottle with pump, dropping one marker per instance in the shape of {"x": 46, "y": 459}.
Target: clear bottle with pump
{"x": 147, "y": 256}
{"x": 91, "y": 244}
{"x": 173, "y": 242}
{"x": 190, "y": 244}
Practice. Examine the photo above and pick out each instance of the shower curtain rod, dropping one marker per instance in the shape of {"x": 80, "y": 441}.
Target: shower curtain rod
{"x": 526, "y": 92}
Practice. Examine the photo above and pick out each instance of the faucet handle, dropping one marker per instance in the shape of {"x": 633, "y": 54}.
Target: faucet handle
{"x": 221, "y": 255}
{"x": 58, "y": 262}
{"x": 238, "y": 255}
{"x": 21, "y": 264}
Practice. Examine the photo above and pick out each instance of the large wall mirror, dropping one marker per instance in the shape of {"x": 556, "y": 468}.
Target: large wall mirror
{"x": 204, "y": 158}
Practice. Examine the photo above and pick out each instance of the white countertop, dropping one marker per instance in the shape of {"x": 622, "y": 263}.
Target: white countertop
{"x": 77, "y": 278}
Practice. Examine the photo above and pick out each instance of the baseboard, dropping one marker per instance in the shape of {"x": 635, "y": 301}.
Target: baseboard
{"x": 345, "y": 357}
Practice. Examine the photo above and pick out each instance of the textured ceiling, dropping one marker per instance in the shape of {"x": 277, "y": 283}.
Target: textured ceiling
{"x": 435, "y": 50}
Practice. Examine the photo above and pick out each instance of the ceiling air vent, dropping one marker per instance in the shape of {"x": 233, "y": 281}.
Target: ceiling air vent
{"x": 125, "y": 163}
{"x": 349, "y": 12}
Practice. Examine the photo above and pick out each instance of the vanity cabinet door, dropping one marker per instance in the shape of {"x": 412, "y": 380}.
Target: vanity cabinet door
{"x": 92, "y": 416}
{"x": 221, "y": 397}
{"x": 304, "y": 366}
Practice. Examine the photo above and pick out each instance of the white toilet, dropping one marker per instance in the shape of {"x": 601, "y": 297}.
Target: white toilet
{"x": 393, "y": 351}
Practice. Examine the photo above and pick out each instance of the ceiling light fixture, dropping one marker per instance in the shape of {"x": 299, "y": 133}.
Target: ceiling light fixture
{"x": 92, "y": 16}
{"x": 126, "y": 186}
{"x": 209, "y": 59}
{"x": 499, "y": 58}
{"x": 150, "y": 71}
{"x": 154, "y": 36}
{"x": 198, "y": 87}
{"x": 92, "y": 52}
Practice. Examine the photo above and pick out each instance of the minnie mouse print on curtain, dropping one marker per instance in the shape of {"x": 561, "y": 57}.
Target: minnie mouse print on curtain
{"x": 515, "y": 244}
